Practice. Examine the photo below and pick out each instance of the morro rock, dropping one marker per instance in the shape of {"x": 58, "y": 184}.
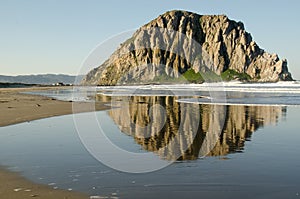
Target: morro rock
{"x": 177, "y": 41}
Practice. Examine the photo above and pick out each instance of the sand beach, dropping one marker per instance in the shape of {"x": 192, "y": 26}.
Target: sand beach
{"x": 16, "y": 107}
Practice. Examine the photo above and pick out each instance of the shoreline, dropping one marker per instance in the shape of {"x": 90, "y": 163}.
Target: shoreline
{"x": 15, "y": 108}
{"x": 15, "y": 186}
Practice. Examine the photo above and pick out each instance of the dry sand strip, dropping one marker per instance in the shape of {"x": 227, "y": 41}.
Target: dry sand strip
{"x": 16, "y": 107}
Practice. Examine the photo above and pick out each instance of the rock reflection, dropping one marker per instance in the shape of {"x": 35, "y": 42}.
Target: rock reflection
{"x": 194, "y": 130}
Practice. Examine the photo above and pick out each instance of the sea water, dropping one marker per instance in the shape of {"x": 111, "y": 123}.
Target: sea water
{"x": 256, "y": 154}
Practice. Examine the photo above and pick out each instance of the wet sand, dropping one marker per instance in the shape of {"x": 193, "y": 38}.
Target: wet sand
{"x": 13, "y": 186}
{"x": 16, "y": 107}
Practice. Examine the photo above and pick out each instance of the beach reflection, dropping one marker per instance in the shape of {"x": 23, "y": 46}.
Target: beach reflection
{"x": 213, "y": 130}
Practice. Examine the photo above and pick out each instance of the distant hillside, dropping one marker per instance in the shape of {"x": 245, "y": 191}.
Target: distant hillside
{"x": 16, "y": 85}
{"x": 39, "y": 79}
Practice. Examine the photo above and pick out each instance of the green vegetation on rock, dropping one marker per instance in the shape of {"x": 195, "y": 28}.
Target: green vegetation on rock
{"x": 209, "y": 76}
{"x": 230, "y": 74}
{"x": 164, "y": 78}
{"x": 193, "y": 77}
{"x": 200, "y": 77}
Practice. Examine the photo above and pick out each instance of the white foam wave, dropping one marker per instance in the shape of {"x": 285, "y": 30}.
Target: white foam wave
{"x": 183, "y": 89}
{"x": 272, "y": 101}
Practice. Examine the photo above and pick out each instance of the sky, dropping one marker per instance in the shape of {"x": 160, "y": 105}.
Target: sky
{"x": 38, "y": 37}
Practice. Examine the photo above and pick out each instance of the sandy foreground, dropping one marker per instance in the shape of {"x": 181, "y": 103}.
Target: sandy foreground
{"x": 12, "y": 186}
{"x": 16, "y": 107}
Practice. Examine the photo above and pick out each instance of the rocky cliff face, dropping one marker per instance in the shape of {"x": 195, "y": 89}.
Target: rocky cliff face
{"x": 177, "y": 41}
{"x": 154, "y": 133}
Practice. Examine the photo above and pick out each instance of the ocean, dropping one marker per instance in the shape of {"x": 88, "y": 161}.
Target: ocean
{"x": 225, "y": 140}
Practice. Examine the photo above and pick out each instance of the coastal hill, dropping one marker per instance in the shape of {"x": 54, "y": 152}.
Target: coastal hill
{"x": 181, "y": 43}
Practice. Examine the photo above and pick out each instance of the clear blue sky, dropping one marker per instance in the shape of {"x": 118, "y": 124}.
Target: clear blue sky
{"x": 56, "y": 36}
